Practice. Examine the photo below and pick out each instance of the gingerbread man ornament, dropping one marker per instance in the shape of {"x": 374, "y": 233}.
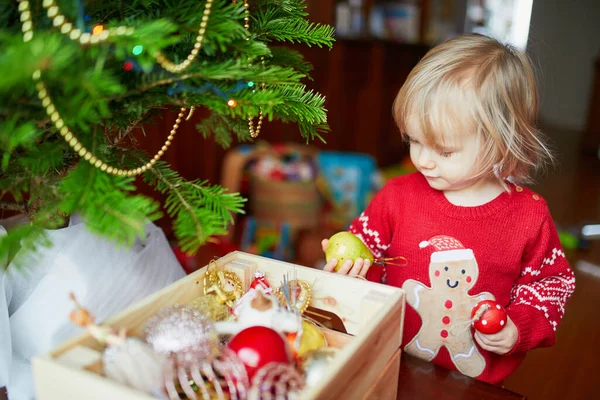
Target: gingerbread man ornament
{"x": 445, "y": 307}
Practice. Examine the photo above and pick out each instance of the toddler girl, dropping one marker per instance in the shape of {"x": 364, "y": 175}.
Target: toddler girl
{"x": 466, "y": 226}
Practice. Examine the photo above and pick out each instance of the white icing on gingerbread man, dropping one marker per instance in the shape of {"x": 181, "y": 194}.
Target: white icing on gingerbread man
{"x": 445, "y": 308}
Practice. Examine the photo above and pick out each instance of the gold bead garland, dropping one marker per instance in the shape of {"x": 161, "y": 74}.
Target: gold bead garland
{"x": 26, "y": 25}
{"x": 76, "y": 145}
{"x": 176, "y": 68}
{"x": 253, "y": 131}
{"x": 66, "y": 27}
{"x": 65, "y": 132}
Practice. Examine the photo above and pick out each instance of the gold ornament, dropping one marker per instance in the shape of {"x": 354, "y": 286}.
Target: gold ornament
{"x": 210, "y": 305}
{"x": 253, "y": 131}
{"x": 226, "y": 285}
{"x": 300, "y": 294}
{"x": 312, "y": 338}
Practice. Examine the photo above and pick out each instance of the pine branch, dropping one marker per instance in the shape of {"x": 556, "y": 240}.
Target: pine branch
{"x": 284, "y": 21}
{"x": 24, "y": 237}
{"x": 290, "y": 58}
{"x": 297, "y": 32}
{"x": 217, "y": 200}
{"x": 164, "y": 184}
{"x": 301, "y": 105}
{"x": 222, "y": 127}
{"x": 200, "y": 211}
{"x": 101, "y": 103}
{"x": 214, "y": 124}
{"x": 230, "y": 70}
{"x": 105, "y": 203}
{"x": 290, "y": 8}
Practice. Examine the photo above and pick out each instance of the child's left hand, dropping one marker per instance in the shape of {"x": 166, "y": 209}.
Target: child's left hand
{"x": 501, "y": 342}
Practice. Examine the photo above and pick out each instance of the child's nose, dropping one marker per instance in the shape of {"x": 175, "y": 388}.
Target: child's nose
{"x": 425, "y": 160}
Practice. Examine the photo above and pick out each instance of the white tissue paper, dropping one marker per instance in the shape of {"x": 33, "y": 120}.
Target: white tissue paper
{"x": 105, "y": 278}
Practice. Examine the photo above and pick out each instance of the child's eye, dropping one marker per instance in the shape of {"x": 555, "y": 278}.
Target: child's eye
{"x": 411, "y": 140}
{"x": 446, "y": 153}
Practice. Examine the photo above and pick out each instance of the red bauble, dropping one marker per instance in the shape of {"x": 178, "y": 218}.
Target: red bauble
{"x": 258, "y": 346}
{"x": 492, "y": 320}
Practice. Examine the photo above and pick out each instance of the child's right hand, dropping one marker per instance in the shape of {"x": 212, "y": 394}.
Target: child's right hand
{"x": 359, "y": 268}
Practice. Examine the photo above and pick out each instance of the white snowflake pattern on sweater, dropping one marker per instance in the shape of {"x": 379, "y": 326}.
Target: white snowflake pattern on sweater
{"x": 547, "y": 261}
{"x": 370, "y": 237}
{"x": 549, "y": 293}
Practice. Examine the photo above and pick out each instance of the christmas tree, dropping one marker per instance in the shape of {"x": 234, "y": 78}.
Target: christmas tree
{"x": 78, "y": 78}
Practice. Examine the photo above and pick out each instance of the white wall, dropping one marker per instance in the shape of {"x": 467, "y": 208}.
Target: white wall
{"x": 564, "y": 40}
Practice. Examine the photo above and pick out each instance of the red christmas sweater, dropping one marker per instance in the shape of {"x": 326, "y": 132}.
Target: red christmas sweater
{"x": 507, "y": 250}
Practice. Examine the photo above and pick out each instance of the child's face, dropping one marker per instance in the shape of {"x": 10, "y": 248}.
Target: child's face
{"x": 447, "y": 166}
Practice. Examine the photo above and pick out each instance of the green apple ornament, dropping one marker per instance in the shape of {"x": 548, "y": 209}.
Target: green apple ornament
{"x": 346, "y": 246}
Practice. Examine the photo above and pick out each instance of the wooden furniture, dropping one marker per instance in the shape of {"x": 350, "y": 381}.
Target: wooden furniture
{"x": 323, "y": 11}
{"x": 420, "y": 379}
{"x": 366, "y": 366}
{"x": 591, "y": 138}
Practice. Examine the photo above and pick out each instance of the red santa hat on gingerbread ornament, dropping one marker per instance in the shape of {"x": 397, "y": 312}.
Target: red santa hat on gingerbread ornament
{"x": 447, "y": 248}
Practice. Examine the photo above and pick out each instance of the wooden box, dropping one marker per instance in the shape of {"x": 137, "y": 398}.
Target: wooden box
{"x": 367, "y": 367}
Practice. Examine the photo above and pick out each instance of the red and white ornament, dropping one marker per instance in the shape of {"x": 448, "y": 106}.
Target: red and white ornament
{"x": 276, "y": 381}
{"x": 260, "y": 280}
{"x": 488, "y": 317}
{"x": 258, "y": 346}
{"x": 257, "y": 307}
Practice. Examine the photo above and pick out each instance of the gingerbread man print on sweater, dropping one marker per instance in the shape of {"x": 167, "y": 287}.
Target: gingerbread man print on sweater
{"x": 445, "y": 307}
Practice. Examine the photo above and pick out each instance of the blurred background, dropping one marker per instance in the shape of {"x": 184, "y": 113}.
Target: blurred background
{"x": 300, "y": 193}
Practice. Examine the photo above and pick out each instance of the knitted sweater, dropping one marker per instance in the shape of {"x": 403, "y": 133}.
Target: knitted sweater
{"x": 507, "y": 249}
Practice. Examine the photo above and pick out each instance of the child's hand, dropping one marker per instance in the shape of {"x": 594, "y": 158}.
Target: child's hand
{"x": 360, "y": 267}
{"x": 501, "y": 342}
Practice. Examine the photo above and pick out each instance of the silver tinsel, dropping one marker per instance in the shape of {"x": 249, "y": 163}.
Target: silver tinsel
{"x": 184, "y": 332}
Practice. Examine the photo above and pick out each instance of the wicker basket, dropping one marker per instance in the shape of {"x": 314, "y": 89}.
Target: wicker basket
{"x": 297, "y": 203}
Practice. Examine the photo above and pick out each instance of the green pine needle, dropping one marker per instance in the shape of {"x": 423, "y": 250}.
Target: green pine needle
{"x": 200, "y": 210}
{"x": 106, "y": 203}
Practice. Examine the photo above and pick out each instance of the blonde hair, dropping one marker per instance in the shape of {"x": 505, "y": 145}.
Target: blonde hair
{"x": 491, "y": 87}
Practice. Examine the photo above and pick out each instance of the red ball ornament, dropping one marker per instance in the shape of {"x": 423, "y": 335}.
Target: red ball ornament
{"x": 488, "y": 317}
{"x": 258, "y": 346}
